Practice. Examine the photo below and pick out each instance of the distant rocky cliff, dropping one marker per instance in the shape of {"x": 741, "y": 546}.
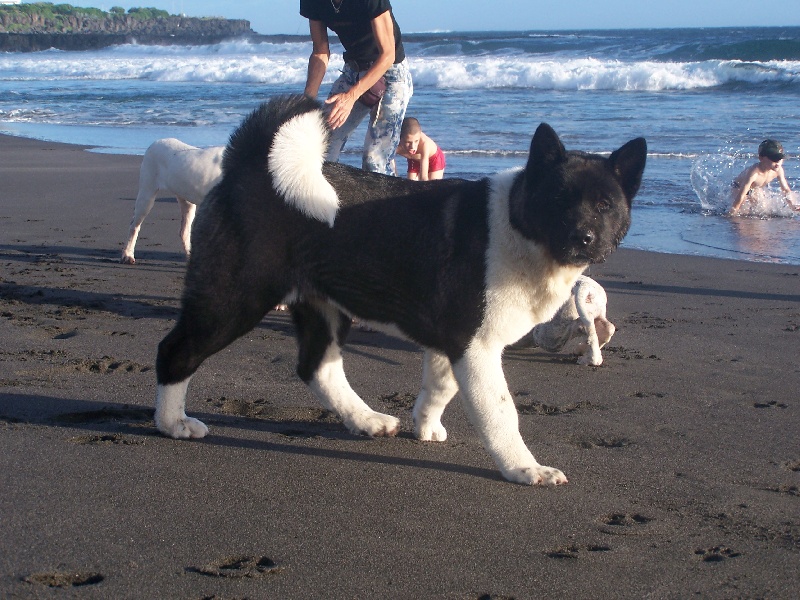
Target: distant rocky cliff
{"x": 24, "y": 32}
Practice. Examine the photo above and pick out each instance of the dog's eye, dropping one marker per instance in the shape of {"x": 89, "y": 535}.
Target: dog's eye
{"x": 603, "y": 205}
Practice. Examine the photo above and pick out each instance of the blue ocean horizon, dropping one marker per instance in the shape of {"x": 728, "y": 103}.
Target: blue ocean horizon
{"x": 703, "y": 98}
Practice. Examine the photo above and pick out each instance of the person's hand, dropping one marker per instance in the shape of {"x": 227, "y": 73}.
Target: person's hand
{"x": 341, "y": 106}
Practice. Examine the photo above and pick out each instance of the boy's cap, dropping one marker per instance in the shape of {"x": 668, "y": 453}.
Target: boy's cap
{"x": 771, "y": 149}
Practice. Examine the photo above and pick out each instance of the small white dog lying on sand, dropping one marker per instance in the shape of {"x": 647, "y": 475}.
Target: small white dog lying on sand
{"x": 581, "y": 318}
{"x": 170, "y": 166}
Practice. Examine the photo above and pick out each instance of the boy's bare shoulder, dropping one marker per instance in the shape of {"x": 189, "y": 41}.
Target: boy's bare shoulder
{"x": 428, "y": 145}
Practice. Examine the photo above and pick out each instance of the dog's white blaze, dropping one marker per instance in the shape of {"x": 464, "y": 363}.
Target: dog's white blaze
{"x": 524, "y": 287}
{"x": 170, "y": 417}
{"x": 295, "y": 163}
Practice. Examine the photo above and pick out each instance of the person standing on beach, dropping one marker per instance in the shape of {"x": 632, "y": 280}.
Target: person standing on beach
{"x": 373, "y": 55}
{"x": 426, "y": 160}
{"x": 759, "y": 175}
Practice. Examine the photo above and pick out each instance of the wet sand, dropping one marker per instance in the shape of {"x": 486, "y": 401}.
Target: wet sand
{"x": 682, "y": 449}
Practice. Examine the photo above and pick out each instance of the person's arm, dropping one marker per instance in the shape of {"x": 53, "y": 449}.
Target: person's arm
{"x": 788, "y": 194}
{"x": 383, "y": 30}
{"x": 744, "y": 186}
{"x": 425, "y": 161}
{"x": 782, "y": 181}
{"x": 318, "y": 61}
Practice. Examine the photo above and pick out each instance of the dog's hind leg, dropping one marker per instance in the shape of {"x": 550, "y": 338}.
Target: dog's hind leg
{"x": 438, "y": 388}
{"x": 321, "y": 329}
{"x": 188, "y": 210}
{"x": 491, "y": 410}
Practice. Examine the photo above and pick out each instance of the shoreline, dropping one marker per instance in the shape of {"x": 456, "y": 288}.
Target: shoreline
{"x": 681, "y": 449}
{"x": 751, "y": 239}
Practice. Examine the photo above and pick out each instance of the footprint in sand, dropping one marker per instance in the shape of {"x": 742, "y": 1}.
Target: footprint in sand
{"x": 604, "y": 442}
{"x": 64, "y": 579}
{"x": 540, "y": 408}
{"x": 627, "y": 353}
{"x": 574, "y": 551}
{"x": 792, "y": 465}
{"x": 105, "y": 440}
{"x": 770, "y": 404}
{"x": 788, "y": 490}
{"x": 716, "y": 554}
{"x": 238, "y": 567}
{"x": 109, "y": 365}
{"x": 623, "y": 523}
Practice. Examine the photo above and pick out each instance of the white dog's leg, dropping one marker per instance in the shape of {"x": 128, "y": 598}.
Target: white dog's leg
{"x": 332, "y": 389}
{"x": 605, "y": 329}
{"x": 188, "y": 211}
{"x": 144, "y": 203}
{"x": 145, "y": 199}
{"x": 591, "y": 355}
{"x": 491, "y": 410}
{"x": 171, "y": 419}
{"x": 438, "y": 388}
{"x": 590, "y": 302}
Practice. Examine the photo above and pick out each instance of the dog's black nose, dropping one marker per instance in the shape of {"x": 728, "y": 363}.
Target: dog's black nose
{"x": 582, "y": 238}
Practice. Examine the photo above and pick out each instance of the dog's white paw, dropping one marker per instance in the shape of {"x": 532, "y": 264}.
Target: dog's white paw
{"x": 430, "y": 432}
{"x": 588, "y": 359}
{"x": 183, "y": 428}
{"x": 127, "y": 259}
{"x": 373, "y": 424}
{"x": 536, "y": 475}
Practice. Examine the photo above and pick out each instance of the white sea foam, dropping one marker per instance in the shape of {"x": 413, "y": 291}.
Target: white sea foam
{"x": 243, "y": 62}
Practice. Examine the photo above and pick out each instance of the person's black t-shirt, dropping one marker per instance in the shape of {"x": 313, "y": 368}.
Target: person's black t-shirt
{"x": 353, "y": 25}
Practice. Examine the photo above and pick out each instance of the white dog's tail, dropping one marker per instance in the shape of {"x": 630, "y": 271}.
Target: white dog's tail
{"x": 289, "y": 136}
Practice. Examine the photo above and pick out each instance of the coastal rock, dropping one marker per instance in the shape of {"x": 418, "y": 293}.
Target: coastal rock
{"x": 22, "y": 32}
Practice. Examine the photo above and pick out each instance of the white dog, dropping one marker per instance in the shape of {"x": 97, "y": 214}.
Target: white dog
{"x": 582, "y": 318}
{"x": 173, "y": 167}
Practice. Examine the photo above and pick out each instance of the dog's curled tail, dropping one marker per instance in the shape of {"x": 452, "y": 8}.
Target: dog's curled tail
{"x": 289, "y": 136}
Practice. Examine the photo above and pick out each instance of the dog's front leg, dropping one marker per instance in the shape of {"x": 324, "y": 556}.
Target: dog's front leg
{"x": 438, "y": 388}
{"x": 491, "y": 410}
{"x": 591, "y": 355}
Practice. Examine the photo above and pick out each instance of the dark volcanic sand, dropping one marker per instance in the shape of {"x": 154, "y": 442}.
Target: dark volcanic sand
{"x": 682, "y": 450}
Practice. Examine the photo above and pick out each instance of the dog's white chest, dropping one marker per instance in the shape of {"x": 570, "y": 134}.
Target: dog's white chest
{"x": 524, "y": 286}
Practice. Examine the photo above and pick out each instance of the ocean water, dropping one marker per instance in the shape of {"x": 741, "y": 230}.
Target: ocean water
{"x": 703, "y": 98}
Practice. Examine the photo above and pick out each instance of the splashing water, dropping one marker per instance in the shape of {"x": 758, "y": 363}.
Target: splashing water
{"x": 712, "y": 179}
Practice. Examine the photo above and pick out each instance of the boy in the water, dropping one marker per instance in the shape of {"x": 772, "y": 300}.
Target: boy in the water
{"x": 425, "y": 159}
{"x": 759, "y": 175}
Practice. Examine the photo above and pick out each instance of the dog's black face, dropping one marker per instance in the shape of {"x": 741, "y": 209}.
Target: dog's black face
{"x": 576, "y": 205}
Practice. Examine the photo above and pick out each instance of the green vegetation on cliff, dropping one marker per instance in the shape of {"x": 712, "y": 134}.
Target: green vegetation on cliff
{"x": 46, "y": 17}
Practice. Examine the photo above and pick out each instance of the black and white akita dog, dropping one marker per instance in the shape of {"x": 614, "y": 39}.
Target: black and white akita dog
{"x": 462, "y": 268}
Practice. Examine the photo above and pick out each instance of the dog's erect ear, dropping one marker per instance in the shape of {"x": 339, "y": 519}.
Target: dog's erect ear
{"x": 628, "y": 165}
{"x": 546, "y": 150}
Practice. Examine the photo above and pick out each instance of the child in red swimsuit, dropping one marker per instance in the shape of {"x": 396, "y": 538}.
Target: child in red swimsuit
{"x": 425, "y": 159}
